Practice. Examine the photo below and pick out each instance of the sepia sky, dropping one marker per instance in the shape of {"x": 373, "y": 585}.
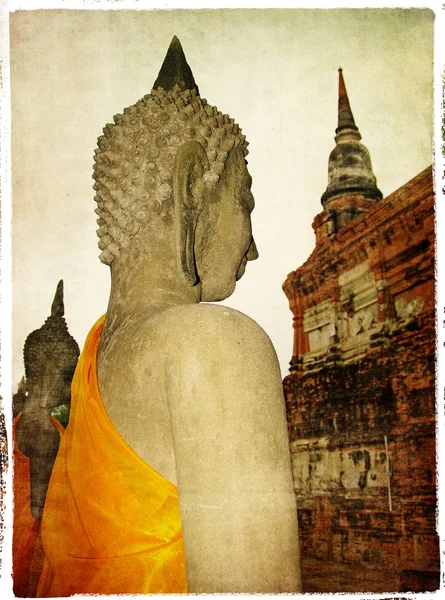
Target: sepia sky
{"x": 273, "y": 70}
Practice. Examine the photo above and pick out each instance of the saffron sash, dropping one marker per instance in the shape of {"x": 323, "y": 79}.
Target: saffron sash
{"x": 111, "y": 523}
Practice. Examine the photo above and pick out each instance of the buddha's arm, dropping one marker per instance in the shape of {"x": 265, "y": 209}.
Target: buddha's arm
{"x": 232, "y": 455}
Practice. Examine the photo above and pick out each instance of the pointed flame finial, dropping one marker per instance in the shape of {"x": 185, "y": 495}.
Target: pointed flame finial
{"x": 175, "y": 70}
{"x": 57, "y": 307}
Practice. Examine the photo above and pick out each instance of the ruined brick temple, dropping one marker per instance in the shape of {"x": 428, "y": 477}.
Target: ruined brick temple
{"x": 361, "y": 391}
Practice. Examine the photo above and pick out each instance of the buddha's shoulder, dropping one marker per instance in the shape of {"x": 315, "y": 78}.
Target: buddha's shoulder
{"x": 201, "y": 325}
{"x": 208, "y": 318}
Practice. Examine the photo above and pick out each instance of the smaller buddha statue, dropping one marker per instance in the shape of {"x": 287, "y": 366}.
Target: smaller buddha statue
{"x": 42, "y": 399}
{"x": 50, "y": 355}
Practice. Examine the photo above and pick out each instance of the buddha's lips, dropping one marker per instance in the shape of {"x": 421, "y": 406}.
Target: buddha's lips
{"x": 241, "y": 269}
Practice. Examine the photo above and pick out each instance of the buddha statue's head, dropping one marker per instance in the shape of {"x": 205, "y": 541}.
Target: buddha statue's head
{"x": 50, "y": 355}
{"x": 173, "y": 162}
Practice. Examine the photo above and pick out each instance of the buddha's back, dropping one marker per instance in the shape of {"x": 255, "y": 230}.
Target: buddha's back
{"x": 132, "y": 377}
{"x": 201, "y": 402}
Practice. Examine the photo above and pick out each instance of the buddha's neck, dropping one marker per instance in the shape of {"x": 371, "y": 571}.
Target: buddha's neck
{"x": 146, "y": 278}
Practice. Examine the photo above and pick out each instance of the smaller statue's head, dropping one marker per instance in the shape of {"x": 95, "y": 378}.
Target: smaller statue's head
{"x": 50, "y": 355}
{"x": 172, "y": 161}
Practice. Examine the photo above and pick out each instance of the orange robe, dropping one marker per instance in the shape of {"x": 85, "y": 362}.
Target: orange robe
{"x": 26, "y": 527}
{"x": 111, "y": 523}
{"x": 27, "y": 553}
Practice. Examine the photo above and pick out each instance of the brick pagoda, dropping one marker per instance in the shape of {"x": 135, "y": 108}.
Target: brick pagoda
{"x": 361, "y": 391}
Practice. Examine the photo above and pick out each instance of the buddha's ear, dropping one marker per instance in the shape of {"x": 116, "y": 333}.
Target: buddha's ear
{"x": 190, "y": 165}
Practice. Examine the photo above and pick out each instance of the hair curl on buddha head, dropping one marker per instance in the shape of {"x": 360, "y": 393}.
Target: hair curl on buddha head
{"x": 133, "y": 171}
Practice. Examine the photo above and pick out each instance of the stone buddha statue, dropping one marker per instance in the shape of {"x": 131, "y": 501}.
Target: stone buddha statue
{"x": 50, "y": 355}
{"x": 179, "y": 396}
